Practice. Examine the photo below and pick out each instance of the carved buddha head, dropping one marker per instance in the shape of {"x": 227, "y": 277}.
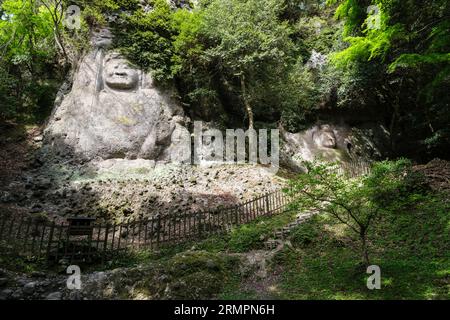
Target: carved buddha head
{"x": 324, "y": 137}
{"x": 119, "y": 73}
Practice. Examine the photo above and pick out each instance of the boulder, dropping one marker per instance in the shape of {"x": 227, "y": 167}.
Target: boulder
{"x": 54, "y": 296}
{"x": 29, "y": 288}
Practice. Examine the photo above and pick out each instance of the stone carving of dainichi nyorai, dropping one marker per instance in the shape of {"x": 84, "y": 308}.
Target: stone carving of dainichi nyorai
{"x": 333, "y": 142}
{"x": 113, "y": 110}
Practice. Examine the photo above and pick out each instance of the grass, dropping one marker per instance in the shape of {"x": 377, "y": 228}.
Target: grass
{"x": 411, "y": 246}
{"x": 11, "y": 261}
{"x": 249, "y": 236}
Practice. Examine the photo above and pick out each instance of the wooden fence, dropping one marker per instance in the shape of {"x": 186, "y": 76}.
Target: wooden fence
{"x": 354, "y": 168}
{"x": 53, "y": 241}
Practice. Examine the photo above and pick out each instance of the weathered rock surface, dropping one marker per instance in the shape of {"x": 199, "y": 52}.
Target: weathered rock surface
{"x": 118, "y": 188}
{"x": 333, "y": 142}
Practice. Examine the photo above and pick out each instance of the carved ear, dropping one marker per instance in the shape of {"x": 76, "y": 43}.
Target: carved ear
{"x": 147, "y": 81}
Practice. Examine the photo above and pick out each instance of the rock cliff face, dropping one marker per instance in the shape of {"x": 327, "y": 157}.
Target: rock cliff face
{"x": 127, "y": 131}
{"x": 113, "y": 110}
{"x": 334, "y": 142}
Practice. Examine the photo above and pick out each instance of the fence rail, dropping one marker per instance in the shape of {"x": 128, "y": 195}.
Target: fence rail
{"x": 354, "y": 168}
{"x": 40, "y": 238}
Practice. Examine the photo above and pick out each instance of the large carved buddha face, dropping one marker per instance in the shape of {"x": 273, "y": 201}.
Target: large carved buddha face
{"x": 325, "y": 137}
{"x": 119, "y": 74}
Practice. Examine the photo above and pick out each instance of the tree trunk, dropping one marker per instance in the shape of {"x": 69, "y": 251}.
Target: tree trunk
{"x": 248, "y": 107}
{"x": 364, "y": 249}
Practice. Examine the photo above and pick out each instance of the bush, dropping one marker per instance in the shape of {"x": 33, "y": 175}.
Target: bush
{"x": 305, "y": 235}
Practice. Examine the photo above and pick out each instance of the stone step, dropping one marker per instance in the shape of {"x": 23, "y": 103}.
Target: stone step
{"x": 281, "y": 234}
{"x": 286, "y": 230}
{"x": 271, "y": 244}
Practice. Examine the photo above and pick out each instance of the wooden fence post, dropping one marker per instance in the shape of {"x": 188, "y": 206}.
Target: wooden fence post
{"x": 184, "y": 224}
{"x": 199, "y": 224}
{"x": 105, "y": 243}
{"x": 41, "y": 242}
{"x": 25, "y": 237}
{"x": 158, "y": 228}
{"x": 11, "y": 225}
{"x": 34, "y": 232}
{"x": 152, "y": 234}
{"x": 179, "y": 229}
{"x": 113, "y": 236}
{"x": 50, "y": 238}
{"x": 19, "y": 229}
{"x": 3, "y": 226}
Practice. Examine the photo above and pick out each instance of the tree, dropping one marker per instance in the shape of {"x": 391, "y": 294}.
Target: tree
{"x": 355, "y": 202}
{"x": 55, "y": 10}
{"x": 409, "y": 45}
{"x": 35, "y": 54}
{"x": 247, "y": 42}
{"x": 26, "y": 47}
{"x": 146, "y": 39}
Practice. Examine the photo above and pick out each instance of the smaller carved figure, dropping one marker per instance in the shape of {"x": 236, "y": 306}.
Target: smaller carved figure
{"x": 324, "y": 137}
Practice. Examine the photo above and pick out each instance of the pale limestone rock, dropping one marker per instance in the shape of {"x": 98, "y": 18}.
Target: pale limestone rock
{"x": 113, "y": 110}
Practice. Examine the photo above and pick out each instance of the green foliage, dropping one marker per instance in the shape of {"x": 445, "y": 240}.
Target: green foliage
{"x": 307, "y": 234}
{"x": 250, "y": 47}
{"x": 236, "y": 60}
{"x": 310, "y": 87}
{"x": 10, "y": 260}
{"x": 355, "y": 202}
{"x": 8, "y": 101}
{"x": 187, "y": 46}
{"x": 245, "y": 34}
{"x": 27, "y": 32}
{"x": 250, "y": 236}
{"x": 295, "y": 9}
{"x": 198, "y": 274}
{"x": 93, "y": 11}
{"x": 410, "y": 48}
{"x": 36, "y": 53}
{"x": 28, "y": 50}
{"x": 146, "y": 39}
{"x": 221, "y": 52}
{"x": 188, "y": 274}
{"x": 414, "y": 60}
{"x": 409, "y": 243}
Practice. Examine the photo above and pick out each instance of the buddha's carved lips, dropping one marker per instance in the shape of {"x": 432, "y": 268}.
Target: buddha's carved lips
{"x": 121, "y": 80}
{"x": 119, "y": 75}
